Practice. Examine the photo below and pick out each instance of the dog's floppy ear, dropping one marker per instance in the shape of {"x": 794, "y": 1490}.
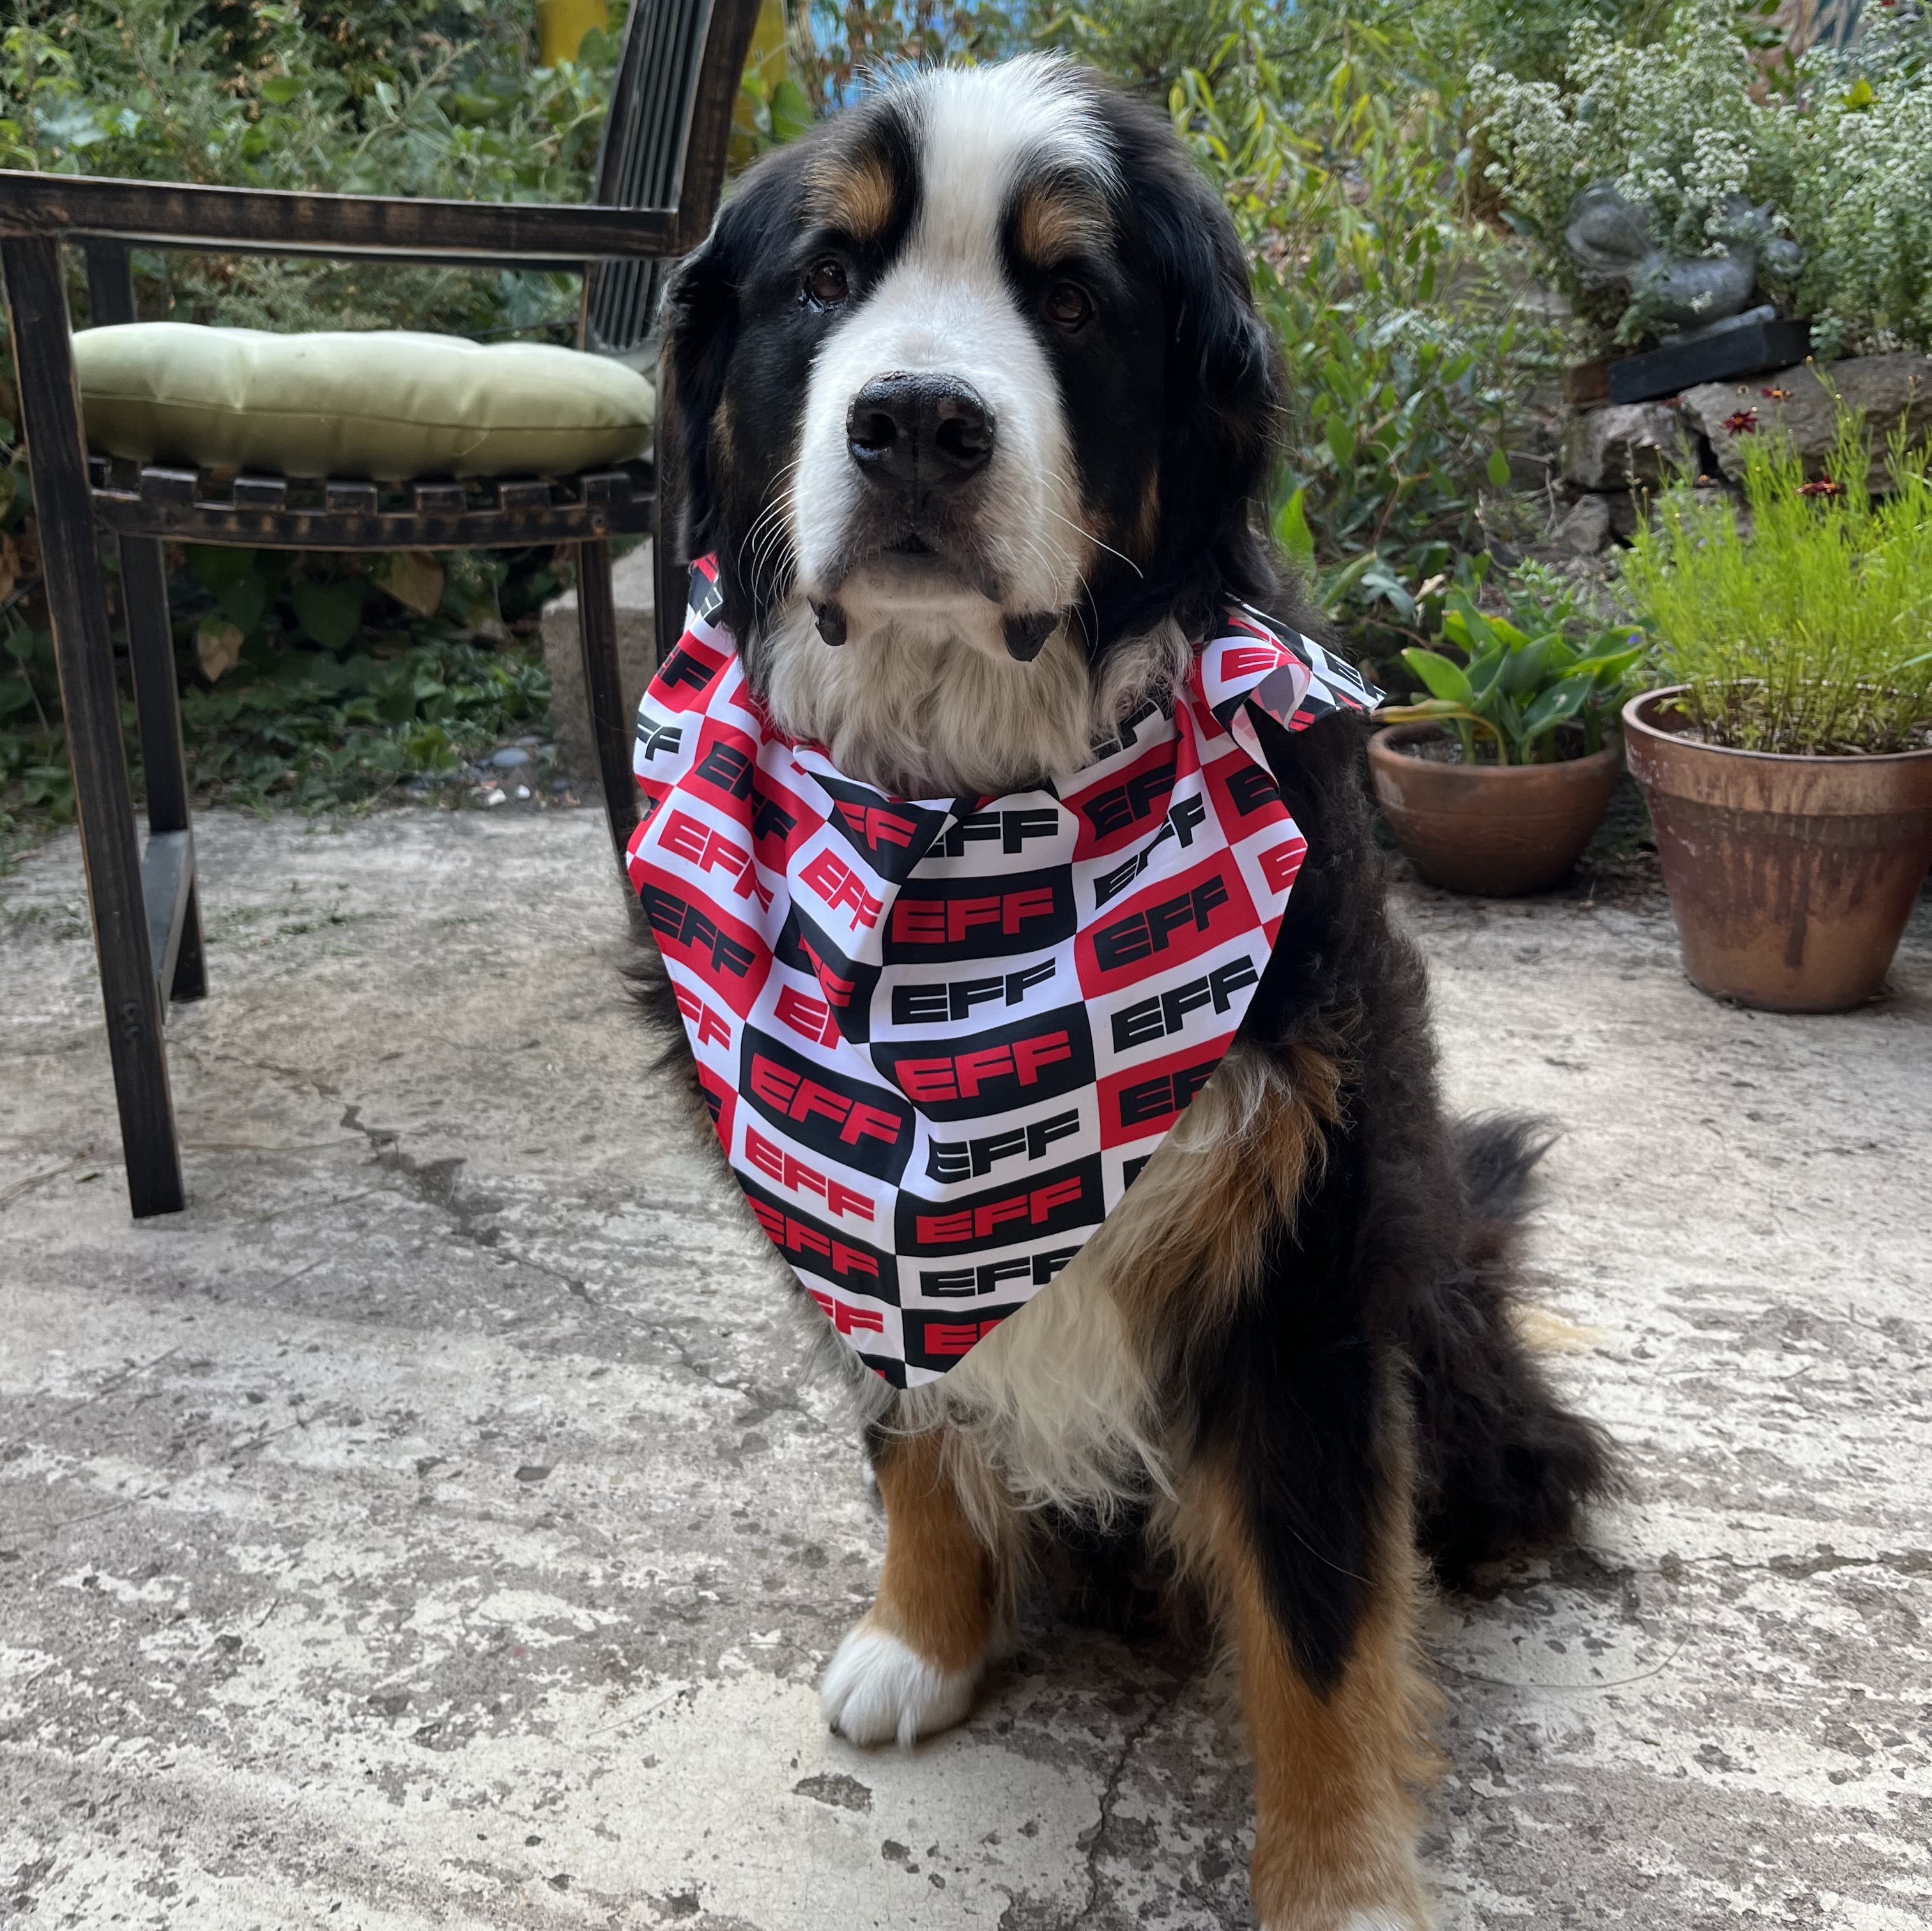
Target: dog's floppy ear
{"x": 701, "y": 318}
{"x": 1224, "y": 388}
{"x": 703, "y": 312}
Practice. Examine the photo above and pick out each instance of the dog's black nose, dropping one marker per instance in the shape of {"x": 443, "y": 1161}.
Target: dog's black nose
{"x": 917, "y": 432}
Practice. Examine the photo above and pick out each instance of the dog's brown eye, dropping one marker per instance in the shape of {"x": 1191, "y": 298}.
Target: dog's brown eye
{"x": 825, "y": 285}
{"x": 1067, "y": 306}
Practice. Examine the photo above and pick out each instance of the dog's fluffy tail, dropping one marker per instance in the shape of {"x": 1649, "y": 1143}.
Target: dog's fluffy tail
{"x": 1502, "y": 1464}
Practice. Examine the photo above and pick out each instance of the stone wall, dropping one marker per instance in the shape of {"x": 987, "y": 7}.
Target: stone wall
{"x": 1616, "y": 454}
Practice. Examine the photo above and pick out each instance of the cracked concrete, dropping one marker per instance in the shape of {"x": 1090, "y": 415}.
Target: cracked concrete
{"x": 431, "y": 1525}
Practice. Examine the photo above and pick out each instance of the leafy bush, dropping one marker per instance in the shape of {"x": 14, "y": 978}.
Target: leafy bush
{"x": 318, "y": 684}
{"x": 386, "y": 103}
{"x": 1408, "y": 353}
{"x": 324, "y": 689}
{"x": 1527, "y": 38}
{"x": 1540, "y": 684}
{"x": 1696, "y": 126}
{"x": 315, "y": 727}
{"x": 1813, "y": 634}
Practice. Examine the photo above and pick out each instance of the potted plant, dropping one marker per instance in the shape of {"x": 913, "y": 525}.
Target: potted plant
{"x": 1496, "y": 781}
{"x": 1788, "y": 762}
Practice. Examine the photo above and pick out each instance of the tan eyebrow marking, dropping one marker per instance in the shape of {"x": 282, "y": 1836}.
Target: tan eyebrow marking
{"x": 852, "y": 194}
{"x": 1053, "y": 218}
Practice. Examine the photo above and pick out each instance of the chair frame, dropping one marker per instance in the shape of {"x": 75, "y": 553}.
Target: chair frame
{"x": 145, "y": 906}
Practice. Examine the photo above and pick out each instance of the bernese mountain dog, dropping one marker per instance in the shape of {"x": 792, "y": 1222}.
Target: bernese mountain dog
{"x": 967, "y": 394}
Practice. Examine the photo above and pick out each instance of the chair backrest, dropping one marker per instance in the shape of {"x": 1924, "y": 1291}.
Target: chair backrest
{"x": 663, "y": 145}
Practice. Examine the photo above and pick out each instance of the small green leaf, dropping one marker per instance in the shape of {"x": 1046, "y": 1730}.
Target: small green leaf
{"x": 281, "y": 89}
{"x": 1557, "y": 706}
{"x": 1497, "y": 469}
{"x": 1479, "y": 633}
{"x": 331, "y": 613}
{"x": 791, "y": 110}
{"x": 1441, "y": 677}
{"x": 1610, "y": 670}
{"x": 1341, "y": 441}
{"x": 1429, "y": 710}
{"x": 1292, "y": 531}
{"x": 1385, "y": 582}
{"x": 1329, "y": 591}
{"x": 244, "y": 602}
{"x": 1483, "y": 668}
{"x": 1524, "y": 671}
{"x": 215, "y": 566}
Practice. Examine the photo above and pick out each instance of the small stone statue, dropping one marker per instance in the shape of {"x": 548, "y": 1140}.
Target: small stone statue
{"x": 1695, "y": 295}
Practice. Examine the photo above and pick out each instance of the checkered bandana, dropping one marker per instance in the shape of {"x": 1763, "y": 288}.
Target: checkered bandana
{"x": 939, "y": 1037}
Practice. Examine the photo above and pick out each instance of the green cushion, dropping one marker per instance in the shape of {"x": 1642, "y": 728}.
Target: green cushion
{"x": 386, "y": 404}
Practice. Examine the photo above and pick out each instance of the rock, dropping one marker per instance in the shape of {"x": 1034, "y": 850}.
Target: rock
{"x": 634, "y": 591}
{"x": 508, "y": 758}
{"x": 1586, "y": 529}
{"x": 1627, "y": 509}
{"x": 1885, "y": 390}
{"x": 1627, "y": 442}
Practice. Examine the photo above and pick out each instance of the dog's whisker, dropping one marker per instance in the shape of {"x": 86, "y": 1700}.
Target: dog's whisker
{"x": 1080, "y": 530}
{"x": 772, "y": 511}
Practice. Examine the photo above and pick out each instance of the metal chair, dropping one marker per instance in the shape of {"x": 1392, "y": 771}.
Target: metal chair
{"x": 660, "y": 170}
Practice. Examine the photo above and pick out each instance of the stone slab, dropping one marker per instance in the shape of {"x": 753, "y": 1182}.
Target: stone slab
{"x": 1712, "y": 358}
{"x": 433, "y": 1525}
{"x": 635, "y": 593}
{"x": 1584, "y": 530}
{"x": 1629, "y": 445}
{"x": 1889, "y": 392}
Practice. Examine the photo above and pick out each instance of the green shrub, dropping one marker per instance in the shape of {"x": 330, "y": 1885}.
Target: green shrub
{"x": 345, "y": 101}
{"x": 338, "y": 690}
{"x": 1694, "y": 126}
{"x": 1408, "y": 356}
{"x": 1812, "y": 634}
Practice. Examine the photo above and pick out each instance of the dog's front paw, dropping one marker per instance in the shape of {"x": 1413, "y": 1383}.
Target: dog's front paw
{"x": 876, "y": 1688}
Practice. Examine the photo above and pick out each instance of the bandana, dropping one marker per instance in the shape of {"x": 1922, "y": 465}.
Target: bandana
{"x": 939, "y": 1038}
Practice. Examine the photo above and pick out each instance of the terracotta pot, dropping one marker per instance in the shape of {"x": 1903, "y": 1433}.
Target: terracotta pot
{"x": 1495, "y": 829}
{"x": 1790, "y": 878}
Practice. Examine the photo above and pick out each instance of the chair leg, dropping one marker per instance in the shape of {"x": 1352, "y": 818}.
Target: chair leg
{"x": 670, "y": 567}
{"x": 50, "y": 415}
{"x": 611, "y": 728}
{"x": 151, "y": 653}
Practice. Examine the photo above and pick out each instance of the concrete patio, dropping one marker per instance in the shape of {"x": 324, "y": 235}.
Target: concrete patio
{"x": 425, "y": 1529}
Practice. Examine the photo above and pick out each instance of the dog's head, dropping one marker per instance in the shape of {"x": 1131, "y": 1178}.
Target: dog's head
{"x": 972, "y": 404}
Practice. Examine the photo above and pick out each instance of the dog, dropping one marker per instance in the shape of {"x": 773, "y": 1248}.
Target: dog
{"x": 968, "y": 393}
